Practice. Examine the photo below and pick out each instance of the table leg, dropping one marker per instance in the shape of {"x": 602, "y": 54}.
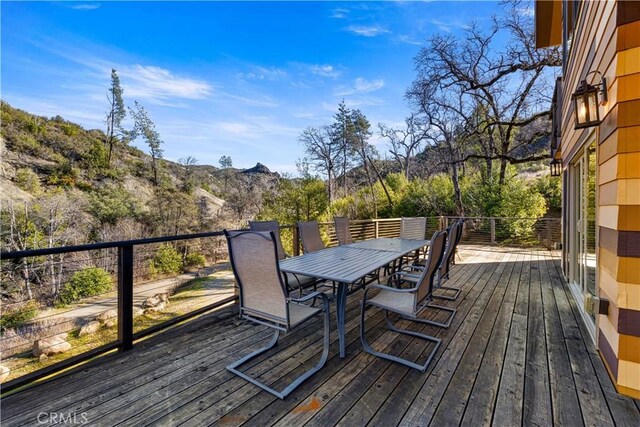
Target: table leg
{"x": 341, "y": 307}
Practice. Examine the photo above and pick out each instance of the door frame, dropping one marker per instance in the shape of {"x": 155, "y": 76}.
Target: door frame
{"x": 577, "y": 239}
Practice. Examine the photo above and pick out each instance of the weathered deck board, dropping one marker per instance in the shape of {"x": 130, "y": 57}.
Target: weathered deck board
{"x": 516, "y": 352}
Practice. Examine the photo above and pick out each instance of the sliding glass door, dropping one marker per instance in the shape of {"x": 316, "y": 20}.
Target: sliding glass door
{"x": 582, "y": 228}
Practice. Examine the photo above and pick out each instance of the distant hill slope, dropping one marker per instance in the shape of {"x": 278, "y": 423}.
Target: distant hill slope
{"x": 43, "y": 156}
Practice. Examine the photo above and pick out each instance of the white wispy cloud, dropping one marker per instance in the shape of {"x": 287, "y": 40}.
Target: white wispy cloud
{"x": 339, "y": 13}
{"x": 367, "y": 30}
{"x": 448, "y": 26}
{"x": 324, "y": 70}
{"x": 161, "y": 85}
{"x": 404, "y": 38}
{"x": 360, "y": 86}
{"x": 83, "y": 6}
{"x": 264, "y": 73}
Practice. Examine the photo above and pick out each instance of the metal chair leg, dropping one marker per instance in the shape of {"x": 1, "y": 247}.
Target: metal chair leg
{"x": 284, "y": 393}
{"x": 397, "y": 359}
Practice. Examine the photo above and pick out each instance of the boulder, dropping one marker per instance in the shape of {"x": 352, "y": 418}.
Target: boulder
{"x": 4, "y": 373}
{"x": 89, "y": 328}
{"x": 110, "y": 323}
{"x": 43, "y": 358}
{"x": 52, "y": 345}
{"x": 157, "y": 308}
{"x": 106, "y": 315}
{"x": 155, "y": 300}
{"x": 137, "y": 311}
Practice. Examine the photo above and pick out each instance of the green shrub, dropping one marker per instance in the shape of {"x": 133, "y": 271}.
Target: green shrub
{"x": 64, "y": 175}
{"x": 69, "y": 129}
{"x": 112, "y": 203}
{"x": 28, "y": 180}
{"x": 18, "y": 316}
{"x": 195, "y": 260}
{"x": 85, "y": 283}
{"x": 167, "y": 260}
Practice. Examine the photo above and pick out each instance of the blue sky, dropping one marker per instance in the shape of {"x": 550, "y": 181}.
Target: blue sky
{"x": 238, "y": 78}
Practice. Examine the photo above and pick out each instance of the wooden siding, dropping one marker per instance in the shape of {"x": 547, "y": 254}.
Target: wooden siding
{"x": 607, "y": 39}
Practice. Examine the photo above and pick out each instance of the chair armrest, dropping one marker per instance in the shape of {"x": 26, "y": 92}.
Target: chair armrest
{"x": 389, "y": 288}
{"x": 316, "y": 294}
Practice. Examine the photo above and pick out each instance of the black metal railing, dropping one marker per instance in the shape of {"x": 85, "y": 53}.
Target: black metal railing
{"x": 478, "y": 230}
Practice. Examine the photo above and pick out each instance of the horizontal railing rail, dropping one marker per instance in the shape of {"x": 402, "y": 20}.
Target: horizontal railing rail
{"x": 483, "y": 230}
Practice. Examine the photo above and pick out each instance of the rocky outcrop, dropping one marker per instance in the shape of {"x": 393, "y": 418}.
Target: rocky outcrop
{"x": 51, "y": 345}
{"x": 106, "y": 315}
{"x": 89, "y": 328}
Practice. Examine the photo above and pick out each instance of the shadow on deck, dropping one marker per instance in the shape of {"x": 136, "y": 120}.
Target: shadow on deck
{"x": 516, "y": 352}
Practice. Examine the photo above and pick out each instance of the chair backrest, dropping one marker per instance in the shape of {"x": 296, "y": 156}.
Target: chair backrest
{"x": 310, "y": 236}
{"x": 434, "y": 256}
{"x": 413, "y": 228}
{"x": 460, "y": 229}
{"x": 270, "y": 226}
{"x": 449, "y": 252}
{"x": 343, "y": 234}
{"x": 254, "y": 260}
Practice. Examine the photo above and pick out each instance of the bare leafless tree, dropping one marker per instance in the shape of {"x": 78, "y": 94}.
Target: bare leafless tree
{"x": 404, "y": 143}
{"x": 324, "y": 153}
{"x": 505, "y": 89}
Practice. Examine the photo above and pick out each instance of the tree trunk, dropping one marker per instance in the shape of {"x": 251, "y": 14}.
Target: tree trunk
{"x": 384, "y": 187}
{"x": 456, "y": 188}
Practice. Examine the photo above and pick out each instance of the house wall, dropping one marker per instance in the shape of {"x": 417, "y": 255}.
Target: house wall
{"x": 607, "y": 39}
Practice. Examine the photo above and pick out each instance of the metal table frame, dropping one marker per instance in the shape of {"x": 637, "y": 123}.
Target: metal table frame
{"x": 347, "y": 265}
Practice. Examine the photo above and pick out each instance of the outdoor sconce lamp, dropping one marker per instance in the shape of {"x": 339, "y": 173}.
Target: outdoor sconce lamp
{"x": 585, "y": 102}
{"x": 556, "y": 167}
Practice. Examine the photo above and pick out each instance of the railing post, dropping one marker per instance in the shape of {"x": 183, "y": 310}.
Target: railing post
{"x": 446, "y": 223}
{"x": 125, "y": 297}
{"x": 549, "y": 245}
{"x": 377, "y": 229}
{"x": 493, "y": 231}
{"x": 296, "y": 241}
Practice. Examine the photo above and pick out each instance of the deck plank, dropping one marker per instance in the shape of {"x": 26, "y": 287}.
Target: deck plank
{"x": 427, "y": 399}
{"x": 458, "y": 394}
{"x": 482, "y": 398}
{"x": 509, "y": 403}
{"x": 537, "y": 393}
{"x": 517, "y": 353}
{"x": 564, "y": 397}
{"x": 400, "y": 400}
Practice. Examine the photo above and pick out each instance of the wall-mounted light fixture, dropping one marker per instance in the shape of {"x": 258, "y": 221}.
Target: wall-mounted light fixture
{"x": 585, "y": 102}
{"x": 556, "y": 167}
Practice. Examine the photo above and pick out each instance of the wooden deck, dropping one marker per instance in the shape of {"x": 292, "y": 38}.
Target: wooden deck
{"x": 517, "y": 353}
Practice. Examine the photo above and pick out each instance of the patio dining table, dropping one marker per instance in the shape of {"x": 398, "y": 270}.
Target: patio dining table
{"x": 348, "y": 264}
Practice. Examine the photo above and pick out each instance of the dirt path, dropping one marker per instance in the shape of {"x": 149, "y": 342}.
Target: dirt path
{"x": 218, "y": 288}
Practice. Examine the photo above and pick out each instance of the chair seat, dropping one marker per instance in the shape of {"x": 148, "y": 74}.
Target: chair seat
{"x": 298, "y": 313}
{"x": 398, "y": 302}
{"x": 296, "y": 280}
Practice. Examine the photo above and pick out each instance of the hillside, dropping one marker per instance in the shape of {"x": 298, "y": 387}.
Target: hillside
{"x": 49, "y": 161}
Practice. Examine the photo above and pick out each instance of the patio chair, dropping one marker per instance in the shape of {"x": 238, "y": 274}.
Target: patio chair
{"x": 264, "y": 299}
{"x": 293, "y": 281}
{"x": 409, "y": 304}
{"x": 447, "y": 260}
{"x": 413, "y": 228}
{"x": 453, "y": 234}
{"x": 310, "y": 236}
{"x": 343, "y": 234}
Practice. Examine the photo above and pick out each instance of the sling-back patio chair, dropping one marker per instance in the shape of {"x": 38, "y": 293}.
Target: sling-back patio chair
{"x": 293, "y": 281}
{"x": 413, "y": 228}
{"x": 453, "y": 238}
{"x": 310, "y": 236}
{"x": 341, "y": 224}
{"x": 343, "y": 234}
{"x": 409, "y": 304}
{"x": 264, "y": 299}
